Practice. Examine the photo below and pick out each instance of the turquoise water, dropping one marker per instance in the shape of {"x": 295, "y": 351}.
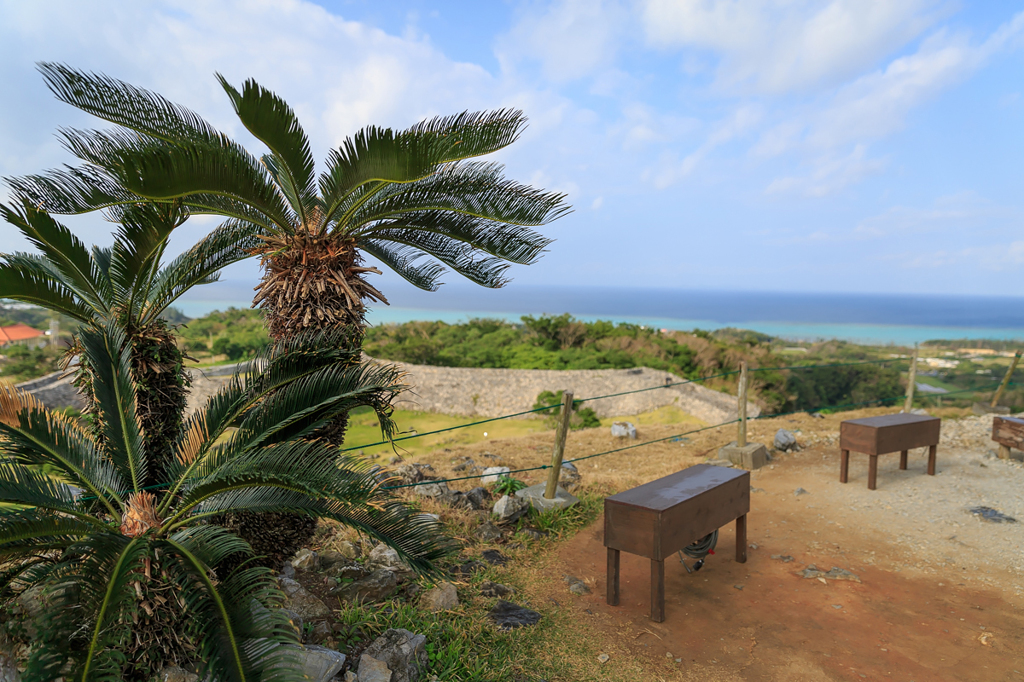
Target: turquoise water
{"x": 861, "y": 318}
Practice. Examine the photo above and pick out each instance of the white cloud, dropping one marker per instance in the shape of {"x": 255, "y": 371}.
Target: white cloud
{"x": 777, "y": 46}
{"x": 570, "y": 38}
{"x": 830, "y": 174}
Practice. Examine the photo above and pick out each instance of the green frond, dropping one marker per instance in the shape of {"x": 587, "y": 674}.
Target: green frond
{"x": 64, "y": 250}
{"x": 459, "y": 256}
{"x": 402, "y": 260}
{"x": 71, "y": 190}
{"x": 470, "y": 134}
{"x": 125, "y": 104}
{"x": 28, "y": 282}
{"x": 139, "y": 243}
{"x": 109, "y": 358}
{"x": 21, "y": 485}
{"x": 35, "y": 437}
{"x": 273, "y": 122}
{"x": 241, "y": 212}
{"x": 237, "y": 644}
{"x": 30, "y": 531}
{"x": 229, "y": 243}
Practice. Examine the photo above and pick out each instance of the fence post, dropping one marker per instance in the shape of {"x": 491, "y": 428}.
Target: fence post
{"x": 556, "y": 456}
{"x": 1006, "y": 379}
{"x": 911, "y": 382}
{"x": 741, "y": 436}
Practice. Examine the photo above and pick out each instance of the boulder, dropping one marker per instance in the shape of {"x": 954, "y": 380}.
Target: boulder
{"x": 329, "y": 558}
{"x": 377, "y": 586}
{"x": 403, "y": 652}
{"x": 478, "y": 498}
{"x": 431, "y": 489}
{"x": 784, "y": 440}
{"x": 444, "y": 597}
{"x": 383, "y": 556}
{"x": 349, "y": 550}
{"x": 320, "y": 664}
{"x": 494, "y": 557}
{"x": 491, "y": 589}
{"x": 508, "y": 616}
{"x": 510, "y": 508}
{"x": 171, "y": 673}
{"x": 346, "y": 571}
{"x": 297, "y": 599}
{"x": 321, "y": 632}
{"x": 569, "y": 477}
{"x": 408, "y": 474}
{"x": 624, "y": 430}
{"x": 305, "y": 560}
{"x": 492, "y": 474}
{"x": 372, "y": 670}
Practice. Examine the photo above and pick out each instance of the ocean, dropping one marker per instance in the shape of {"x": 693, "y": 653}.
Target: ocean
{"x": 876, "y": 319}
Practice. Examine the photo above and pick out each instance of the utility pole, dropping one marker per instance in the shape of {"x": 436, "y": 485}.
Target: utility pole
{"x": 911, "y": 382}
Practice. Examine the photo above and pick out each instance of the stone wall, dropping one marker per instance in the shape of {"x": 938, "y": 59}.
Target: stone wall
{"x": 484, "y": 392}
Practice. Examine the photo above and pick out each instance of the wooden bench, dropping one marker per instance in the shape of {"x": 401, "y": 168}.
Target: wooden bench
{"x": 1009, "y": 433}
{"x": 876, "y": 436}
{"x": 657, "y": 519}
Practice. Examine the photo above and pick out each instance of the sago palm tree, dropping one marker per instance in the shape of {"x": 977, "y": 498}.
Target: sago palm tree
{"x": 412, "y": 199}
{"x": 119, "y": 567}
{"x": 128, "y": 284}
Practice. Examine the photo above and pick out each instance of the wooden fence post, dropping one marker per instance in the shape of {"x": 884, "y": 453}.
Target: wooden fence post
{"x": 741, "y": 436}
{"x": 556, "y": 456}
{"x": 1006, "y": 379}
{"x": 911, "y": 382}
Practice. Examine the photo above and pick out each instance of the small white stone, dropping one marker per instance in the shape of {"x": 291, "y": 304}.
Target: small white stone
{"x": 492, "y": 474}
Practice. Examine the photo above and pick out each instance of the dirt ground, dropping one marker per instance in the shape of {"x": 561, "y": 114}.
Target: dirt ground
{"x": 940, "y": 595}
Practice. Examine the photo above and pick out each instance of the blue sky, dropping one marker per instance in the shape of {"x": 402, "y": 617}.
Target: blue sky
{"x": 787, "y": 145}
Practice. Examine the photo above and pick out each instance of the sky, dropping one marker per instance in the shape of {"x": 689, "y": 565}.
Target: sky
{"x": 746, "y": 145}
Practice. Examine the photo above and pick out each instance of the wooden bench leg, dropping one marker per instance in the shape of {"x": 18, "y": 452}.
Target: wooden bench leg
{"x": 741, "y": 539}
{"x": 613, "y": 577}
{"x": 657, "y": 591}
{"x": 931, "y": 459}
{"x": 903, "y": 459}
{"x": 872, "y": 471}
{"x": 844, "y": 465}
{"x": 1004, "y": 452}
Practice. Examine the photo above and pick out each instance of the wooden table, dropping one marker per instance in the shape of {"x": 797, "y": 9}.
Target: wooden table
{"x": 1009, "y": 433}
{"x": 876, "y": 436}
{"x": 657, "y": 519}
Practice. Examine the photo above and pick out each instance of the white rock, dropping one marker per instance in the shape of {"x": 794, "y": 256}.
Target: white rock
{"x": 509, "y": 509}
{"x": 305, "y": 560}
{"x": 492, "y": 474}
{"x": 372, "y": 670}
{"x": 444, "y": 597}
{"x": 383, "y": 556}
{"x": 624, "y": 430}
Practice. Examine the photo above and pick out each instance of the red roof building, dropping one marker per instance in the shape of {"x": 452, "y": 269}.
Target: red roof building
{"x": 18, "y": 333}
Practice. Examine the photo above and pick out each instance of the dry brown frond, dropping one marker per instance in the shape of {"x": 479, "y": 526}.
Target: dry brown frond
{"x": 140, "y": 515}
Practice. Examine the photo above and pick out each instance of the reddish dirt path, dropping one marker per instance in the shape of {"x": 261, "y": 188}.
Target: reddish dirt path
{"x": 781, "y": 626}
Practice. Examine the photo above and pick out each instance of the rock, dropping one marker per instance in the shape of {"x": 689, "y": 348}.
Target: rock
{"x": 603, "y": 658}
{"x": 346, "y": 572}
{"x": 991, "y": 515}
{"x": 287, "y": 571}
{"x": 488, "y": 532}
{"x": 329, "y": 558}
{"x": 378, "y": 586}
{"x": 490, "y": 589}
{"x": 624, "y": 430}
{"x": 465, "y": 466}
{"x": 305, "y": 560}
{"x": 431, "y": 489}
{"x": 455, "y": 498}
{"x": 171, "y": 673}
{"x": 408, "y": 474}
{"x": 349, "y": 550}
{"x": 508, "y": 616}
{"x": 478, "y": 498}
{"x": 403, "y": 652}
{"x": 320, "y": 664}
{"x": 784, "y": 440}
{"x": 321, "y": 631}
{"x": 495, "y": 459}
{"x": 800, "y": 491}
{"x": 372, "y": 670}
{"x": 569, "y": 477}
{"x": 835, "y": 573}
{"x": 533, "y": 534}
{"x": 494, "y": 557}
{"x": 383, "y": 556}
{"x": 294, "y": 618}
{"x": 738, "y": 587}
{"x": 297, "y": 599}
{"x": 350, "y": 676}
{"x": 576, "y": 586}
{"x": 492, "y": 474}
{"x": 444, "y": 597}
{"x": 784, "y": 558}
{"x": 510, "y": 508}
{"x": 470, "y": 567}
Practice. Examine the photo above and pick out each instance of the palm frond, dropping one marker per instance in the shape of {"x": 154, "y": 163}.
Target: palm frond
{"x": 34, "y": 436}
{"x": 27, "y": 532}
{"x": 21, "y": 485}
{"x": 470, "y": 134}
{"x": 109, "y": 358}
{"x": 225, "y": 622}
{"x": 64, "y": 250}
{"x": 26, "y": 278}
{"x": 229, "y": 243}
{"x": 139, "y": 243}
{"x": 71, "y": 190}
{"x": 125, "y": 104}
{"x": 402, "y": 259}
{"x": 216, "y": 204}
{"x": 274, "y": 123}
{"x": 459, "y": 256}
